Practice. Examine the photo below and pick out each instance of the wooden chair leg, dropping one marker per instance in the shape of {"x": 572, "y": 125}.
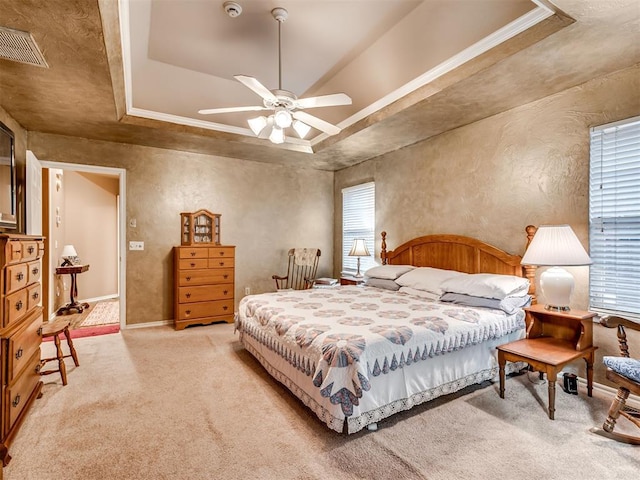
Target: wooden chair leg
{"x": 614, "y": 411}
{"x": 62, "y": 367}
{"x": 74, "y": 355}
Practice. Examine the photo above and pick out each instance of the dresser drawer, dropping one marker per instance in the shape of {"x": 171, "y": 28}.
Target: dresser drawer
{"x": 30, "y": 250}
{"x": 18, "y": 394}
{"x": 16, "y": 277}
{"x": 205, "y": 293}
{"x": 34, "y": 271}
{"x": 33, "y": 296}
{"x": 193, "y": 252}
{"x": 192, "y": 263}
{"x": 221, "y": 252}
{"x": 205, "y": 277}
{"x": 205, "y": 309}
{"x": 223, "y": 262}
{"x": 22, "y": 345}
{"x": 15, "y": 307}
{"x": 13, "y": 251}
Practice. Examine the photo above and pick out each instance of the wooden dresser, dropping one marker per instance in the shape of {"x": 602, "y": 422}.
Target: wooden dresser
{"x": 204, "y": 285}
{"x": 21, "y": 260}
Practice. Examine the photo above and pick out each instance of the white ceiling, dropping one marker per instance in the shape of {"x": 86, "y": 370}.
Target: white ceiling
{"x": 180, "y": 55}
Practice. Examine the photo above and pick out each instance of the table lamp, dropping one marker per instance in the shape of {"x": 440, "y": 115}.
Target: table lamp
{"x": 555, "y": 246}
{"x": 359, "y": 249}
{"x": 69, "y": 255}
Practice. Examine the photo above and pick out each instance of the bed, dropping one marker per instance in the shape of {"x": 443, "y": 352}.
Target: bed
{"x": 355, "y": 355}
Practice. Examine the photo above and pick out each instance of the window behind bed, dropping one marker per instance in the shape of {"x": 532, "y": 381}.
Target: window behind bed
{"x": 358, "y": 221}
{"x": 614, "y": 218}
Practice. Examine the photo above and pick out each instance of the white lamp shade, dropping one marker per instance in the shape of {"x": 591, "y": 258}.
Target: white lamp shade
{"x": 257, "y": 124}
{"x": 277, "y": 135}
{"x": 68, "y": 251}
{"x": 282, "y": 117}
{"x": 555, "y": 245}
{"x": 359, "y": 248}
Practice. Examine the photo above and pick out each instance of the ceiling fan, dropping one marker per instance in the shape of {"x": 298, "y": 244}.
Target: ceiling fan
{"x": 287, "y": 108}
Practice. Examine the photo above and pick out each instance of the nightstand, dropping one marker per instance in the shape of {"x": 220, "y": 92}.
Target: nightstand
{"x": 351, "y": 280}
{"x": 554, "y": 339}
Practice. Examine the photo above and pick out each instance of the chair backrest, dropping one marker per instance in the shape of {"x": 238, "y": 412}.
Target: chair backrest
{"x": 302, "y": 266}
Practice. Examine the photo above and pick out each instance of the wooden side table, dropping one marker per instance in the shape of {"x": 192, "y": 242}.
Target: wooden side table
{"x": 554, "y": 339}
{"x": 72, "y": 270}
{"x": 351, "y": 280}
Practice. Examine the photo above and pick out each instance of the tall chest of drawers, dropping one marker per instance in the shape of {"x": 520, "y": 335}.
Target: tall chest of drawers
{"x": 204, "y": 285}
{"x": 20, "y": 331}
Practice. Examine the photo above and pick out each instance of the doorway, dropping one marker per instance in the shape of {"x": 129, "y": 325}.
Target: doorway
{"x": 94, "y": 226}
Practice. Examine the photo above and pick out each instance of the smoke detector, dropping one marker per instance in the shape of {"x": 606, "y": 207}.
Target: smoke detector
{"x": 232, "y": 9}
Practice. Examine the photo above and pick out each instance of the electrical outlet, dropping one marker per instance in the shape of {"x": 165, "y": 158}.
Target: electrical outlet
{"x": 247, "y": 290}
{"x": 136, "y": 245}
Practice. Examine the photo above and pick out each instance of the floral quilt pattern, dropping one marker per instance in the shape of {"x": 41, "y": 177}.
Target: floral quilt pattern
{"x": 343, "y": 337}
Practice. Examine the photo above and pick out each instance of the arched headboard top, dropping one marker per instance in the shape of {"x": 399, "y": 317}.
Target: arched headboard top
{"x": 457, "y": 252}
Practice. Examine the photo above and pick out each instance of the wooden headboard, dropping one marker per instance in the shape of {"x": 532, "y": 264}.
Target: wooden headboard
{"x": 464, "y": 254}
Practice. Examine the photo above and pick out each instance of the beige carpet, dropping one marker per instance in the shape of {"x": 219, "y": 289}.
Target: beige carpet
{"x": 160, "y": 404}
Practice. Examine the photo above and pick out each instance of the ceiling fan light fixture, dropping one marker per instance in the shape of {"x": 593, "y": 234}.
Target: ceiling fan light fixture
{"x": 282, "y": 117}
{"x": 257, "y": 124}
{"x": 302, "y": 129}
{"x": 277, "y": 135}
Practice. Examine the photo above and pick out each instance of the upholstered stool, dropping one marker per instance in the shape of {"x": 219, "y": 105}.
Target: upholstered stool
{"x": 54, "y": 329}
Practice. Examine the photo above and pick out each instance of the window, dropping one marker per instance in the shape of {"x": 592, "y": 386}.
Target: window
{"x": 358, "y": 221}
{"x": 614, "y": 218}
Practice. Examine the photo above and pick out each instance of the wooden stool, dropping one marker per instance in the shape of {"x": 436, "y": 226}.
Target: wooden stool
{"x": 54, "y": 329}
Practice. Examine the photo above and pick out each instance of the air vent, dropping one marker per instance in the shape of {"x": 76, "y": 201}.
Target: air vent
{"x": 20, "y": 47}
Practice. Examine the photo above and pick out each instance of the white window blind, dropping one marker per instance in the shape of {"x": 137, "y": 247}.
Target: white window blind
{"x": 614, "y": 218}
{"x": 358, "y": 221}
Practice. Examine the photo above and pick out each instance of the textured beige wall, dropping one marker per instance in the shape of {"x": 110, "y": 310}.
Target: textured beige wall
{"x": 492, "y": 178}
{"x": 266, "y": 209}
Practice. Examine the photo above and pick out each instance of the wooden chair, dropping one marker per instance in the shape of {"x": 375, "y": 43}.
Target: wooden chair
{"x": 55, "y": 329}
{"x": 624, "y": 371}
{"x": 302, "y": 266}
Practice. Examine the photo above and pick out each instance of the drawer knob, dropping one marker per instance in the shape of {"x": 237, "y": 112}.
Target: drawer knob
{"x": 35, "y": 271}
{"x": 188, "y": 279}
{"x": 30, "y": 249}
{"x": 225, "y": 308}
{"x": 19, "y": 305}
{"x": 19, "y": 353}
{"x": 188, "y": 295}
{"x": 188, "y": 312}
{"x": 193, "y": 254}
{"x": 35, "y": 295}
{"x": 225, "y": 276}
{"x": 221, "y": 254}
{"x": 38, "y": 368}
{"x": 20, "y": 276}
{"x": 16, "y": 401}
{"x": 39, "y": 331}
{"x": 222, "y": 264}
{"x": 193, "y": 264}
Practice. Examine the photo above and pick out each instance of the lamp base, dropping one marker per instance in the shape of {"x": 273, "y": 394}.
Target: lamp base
{"x": 557, "y": 286}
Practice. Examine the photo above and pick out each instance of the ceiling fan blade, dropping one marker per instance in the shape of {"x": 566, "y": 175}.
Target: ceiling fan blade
{"x": 316, "y": 122}
{"x": 252, "y": 108}
{"x": 324, "y": 101}
{"x": 256, "y": 86}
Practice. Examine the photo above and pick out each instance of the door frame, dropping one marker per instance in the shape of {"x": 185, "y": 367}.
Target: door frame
{"x": 122, "y": 208}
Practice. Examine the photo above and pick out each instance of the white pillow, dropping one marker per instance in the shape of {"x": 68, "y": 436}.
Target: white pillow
{"x": 388, "y": 272}
{"x": 420, "y": 293}
{"x": 487, "y": 285}
{"x": 427, "y": 279}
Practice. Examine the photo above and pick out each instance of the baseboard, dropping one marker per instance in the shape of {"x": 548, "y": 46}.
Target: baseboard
{"x": 160, "y": 323}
